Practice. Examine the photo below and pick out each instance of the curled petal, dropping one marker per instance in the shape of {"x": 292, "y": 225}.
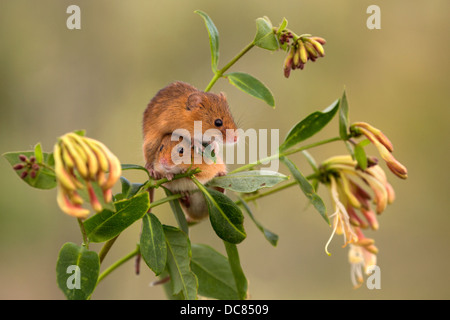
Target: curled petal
{"x": 371, "y": 218}
{"x": 390, "y": 192}
{"x": 77, "y": 155}
{"x": 348, "y": 192}
{"x": 92, "y": 162}
{"x": 379, "y": 190}
{"x": 370, "y": 131}
{"x": 96, "y": 205}
{"x": 355, "y": 220}
{"x": 115, "y": 169}
{"x": 64, "y": 177}
{"x": 70, "y": 208}
{"x": 107, "y": 195}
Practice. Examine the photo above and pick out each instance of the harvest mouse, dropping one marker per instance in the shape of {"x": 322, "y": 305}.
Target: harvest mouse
{"x": 177, "y": 156}
{"x": 177, "y": 106}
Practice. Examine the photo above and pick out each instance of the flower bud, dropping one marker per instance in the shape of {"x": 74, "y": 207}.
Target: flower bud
{"x": 18, "y": 166}
{"x": 23, "y": 158}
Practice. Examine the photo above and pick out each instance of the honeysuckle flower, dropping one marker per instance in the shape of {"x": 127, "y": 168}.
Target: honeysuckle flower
{"x": 302, "y": 49}
{"x": 360, "y": 260}
{"x": 350, "y": 188}
{"x": 384, "y": 146}
{"x": 81, "y": 162}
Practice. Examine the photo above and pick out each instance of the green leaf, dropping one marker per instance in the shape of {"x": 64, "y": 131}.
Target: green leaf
{"x": 309, "y": 126}
{"x": 360, "y": 156}
{"x": 107, "y": 224}
{"x": 269, "y": 235}
{"x": 77, "y": 271}
{"x": 153, "y": 243}
{"x": 282, "y": 26}
{"x": 215, "y": 279}
{"x": 343, "y": 117}
{"x": 307, "y": 189}
{"x": 225, "y": 216}
{"x": 129, "y": 189}
{"x": 265, "y": 37}
{"x": 178, "y": 263}
{"x": 213, "y": 39}
{"x": 45, "y": 178}
{"x": 248, "y": 181}
{"x": 178, "y": 212}
{"x": 236, "y": 269}
{"x": 38, "y": 153}
{"x": 252, "y": 86}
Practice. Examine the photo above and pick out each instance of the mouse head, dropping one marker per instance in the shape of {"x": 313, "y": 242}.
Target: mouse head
{"x": 214, "y": 112}
{"x": 173, "y": 156}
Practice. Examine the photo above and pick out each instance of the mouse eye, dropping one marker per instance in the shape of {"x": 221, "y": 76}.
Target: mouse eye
{"x": 160, "y": 149}
{"x": 180, "y": 151}
{"x": 218, "y": 123}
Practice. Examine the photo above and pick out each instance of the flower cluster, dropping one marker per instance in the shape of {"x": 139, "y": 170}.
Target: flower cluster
{"x": 353, "y": 212}
{"x": 301, "y": 50}
{"x": 29, "y": 166}
{"x": 382, "y": 143}
{"x": 81, "y": 164}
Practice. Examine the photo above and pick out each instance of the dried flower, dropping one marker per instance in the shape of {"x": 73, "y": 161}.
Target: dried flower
{"x": 80, "y": 162}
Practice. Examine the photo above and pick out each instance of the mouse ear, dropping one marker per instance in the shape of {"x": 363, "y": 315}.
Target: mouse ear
{"x": 223, "y": 95}
{"x": 194, "y": 101}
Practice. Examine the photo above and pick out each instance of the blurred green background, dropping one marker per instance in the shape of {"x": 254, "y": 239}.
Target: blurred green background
{"x": 100, "y": 78}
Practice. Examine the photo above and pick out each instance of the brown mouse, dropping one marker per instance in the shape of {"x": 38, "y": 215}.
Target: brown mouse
{"x": 177, "y": 156}
{"x": 177, "y": 106}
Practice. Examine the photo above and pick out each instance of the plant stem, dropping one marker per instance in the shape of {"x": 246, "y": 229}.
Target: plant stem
{"x": 236, "y": 269}
{"x": 219, "y": 73}
{"x": 283, "y": 154}
{"x": 105, "y": 249}
{"x": 166, "y": 199}
{"x": 83, "y": 232}
{"x": 118, "y": 263}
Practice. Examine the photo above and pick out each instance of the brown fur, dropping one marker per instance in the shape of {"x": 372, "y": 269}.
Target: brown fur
{"x": 177, "y": 106}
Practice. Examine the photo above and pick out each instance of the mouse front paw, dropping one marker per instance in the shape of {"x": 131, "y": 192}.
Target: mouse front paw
{"x": 169, "y": 176}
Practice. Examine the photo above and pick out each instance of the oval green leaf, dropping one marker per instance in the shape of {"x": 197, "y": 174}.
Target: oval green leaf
{"x": 252, "y": 86}
{"x": 179, "y": 253}
{"x": 265, "y": 37}
{"x": 107, "y": 224}
{"x": 248, "y": 181}
{"x": 77, "y": 271}
{"x": 307, "y": 189}
{"x": 153, "y": 243}
{"x": 213, "y": 39}
{"x": 309, "y": 126}
{"x": 215, "y": 279}
{"x": 45, "y": 178}
{"x": 225, "y": 216}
